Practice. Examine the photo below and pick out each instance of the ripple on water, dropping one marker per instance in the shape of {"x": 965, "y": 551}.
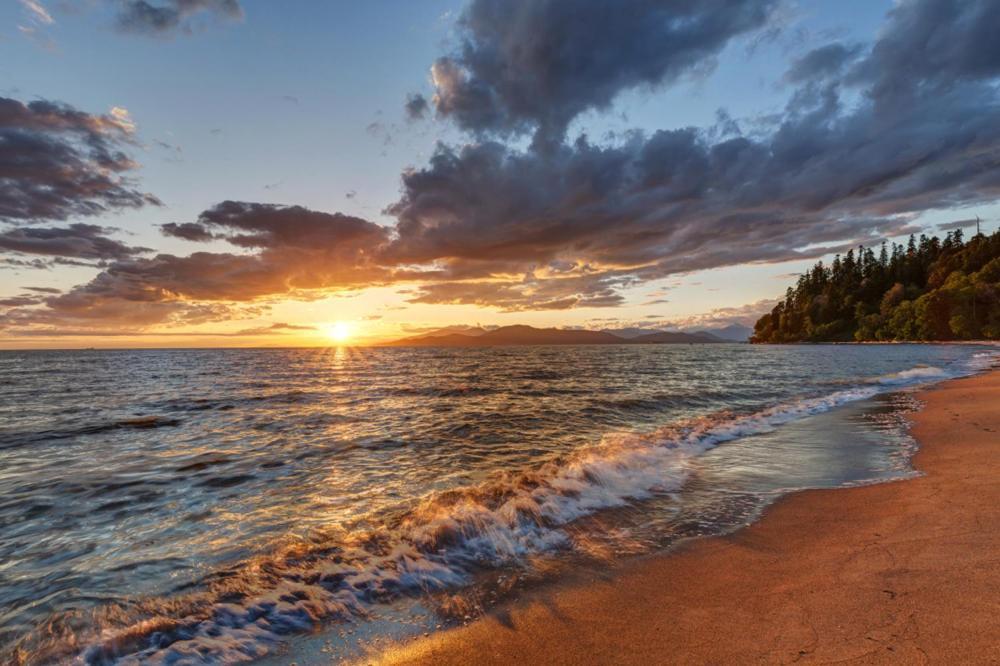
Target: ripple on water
{"x": 223, "y": 500}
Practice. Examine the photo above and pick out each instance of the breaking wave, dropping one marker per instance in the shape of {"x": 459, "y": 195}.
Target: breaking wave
{"x": 920, "y": 373}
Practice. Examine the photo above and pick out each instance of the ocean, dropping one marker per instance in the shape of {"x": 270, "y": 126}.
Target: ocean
{"x": 206, "y": 506}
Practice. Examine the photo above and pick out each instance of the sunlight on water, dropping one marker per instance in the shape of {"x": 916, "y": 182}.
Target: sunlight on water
{"x": 158, "y": 504}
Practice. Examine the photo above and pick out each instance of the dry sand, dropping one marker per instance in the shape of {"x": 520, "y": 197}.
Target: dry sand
{"x": 905, "y": 572}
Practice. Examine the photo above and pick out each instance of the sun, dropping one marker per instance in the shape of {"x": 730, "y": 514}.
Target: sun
{"x": 339, "y": 331}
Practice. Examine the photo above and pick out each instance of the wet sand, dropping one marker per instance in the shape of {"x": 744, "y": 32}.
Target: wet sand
{"x": 902, "y": 572}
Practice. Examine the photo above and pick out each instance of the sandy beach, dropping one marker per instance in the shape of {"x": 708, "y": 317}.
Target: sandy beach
{"x": 902, "y": 572}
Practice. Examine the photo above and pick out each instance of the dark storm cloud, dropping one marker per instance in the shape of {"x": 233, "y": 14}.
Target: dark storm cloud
{"x": 669, "y": 203}
{"x": 57, "y": 162}
{"x": 822, "y": 62}
{"x": 273, "y": 226}
{"x": 166, "y": 17}
{"x": 821, "y": 176}
{"x": 933, "y": 45}
{"x": 82, "y": 241}
{"x": 526, "y": 65}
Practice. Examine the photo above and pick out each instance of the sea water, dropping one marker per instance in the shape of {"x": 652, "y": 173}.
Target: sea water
{"x": 203, "y": 506}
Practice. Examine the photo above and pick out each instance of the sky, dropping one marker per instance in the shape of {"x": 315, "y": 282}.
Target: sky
{"x": 245, "y": 172}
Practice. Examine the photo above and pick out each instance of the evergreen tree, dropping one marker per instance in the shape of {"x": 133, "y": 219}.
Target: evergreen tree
{"x": 928, "y": 289}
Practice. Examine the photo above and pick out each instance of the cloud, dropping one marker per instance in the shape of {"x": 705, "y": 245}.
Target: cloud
{"x": 47, "y": 264}
{"x": 872, "y": 136}
{"x": 191, "y": 231}
{"x": 285, "y": 261}
{"x": 416, "y": 106}
{"x": 81, "y": 241}
{"x": 293, "y": 251}
{"x": 278, "y": 227}
{"x": 823, "y": 62}
{"x": 931, "y": 45}
{"x": 18, "y": 301}
{"x": 529, "y": 293}
{"x": 122, "y": 118}
{"x": 37, "y": 11}
{"x": 669, "y": 203}
{"x": 165, "y": 145}
{"x": 744, "y": 315}
{"x": 958, "y": 224}
{"x": 534, "y": 65}
{"x": 37, "y": 20}
{"x": 379, "y": 131}
{"x": 10, "y": 263}
{"x": 57, "y": 162}
{"x": 278, "y": 327}
{"x": 867, "y": 142}
{"x": 168, "y": 17}
{"x": 82, "y": 310}
{"x": 273, "y": 329}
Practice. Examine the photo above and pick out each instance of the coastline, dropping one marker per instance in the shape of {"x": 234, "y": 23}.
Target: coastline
{"x": 895, "y": 572}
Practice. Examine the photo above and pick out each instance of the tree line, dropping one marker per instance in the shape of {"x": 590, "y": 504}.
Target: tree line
{"x": 928, "y": 289}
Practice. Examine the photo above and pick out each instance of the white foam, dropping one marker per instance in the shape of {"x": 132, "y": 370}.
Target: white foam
{"x": 913, "y": 375}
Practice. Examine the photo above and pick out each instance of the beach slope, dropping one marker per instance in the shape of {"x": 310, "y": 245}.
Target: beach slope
{"x": 903, "y": 572}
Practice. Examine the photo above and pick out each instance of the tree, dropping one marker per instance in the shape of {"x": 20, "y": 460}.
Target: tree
{"x": 928, "y": 289}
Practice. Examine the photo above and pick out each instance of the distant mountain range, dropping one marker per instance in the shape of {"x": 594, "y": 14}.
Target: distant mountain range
{"x": 529, "y": 335}
{"x": 732, "y": 333}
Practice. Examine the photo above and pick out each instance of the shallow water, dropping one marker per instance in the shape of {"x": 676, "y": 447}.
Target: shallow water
{"x": 207, "y": 505}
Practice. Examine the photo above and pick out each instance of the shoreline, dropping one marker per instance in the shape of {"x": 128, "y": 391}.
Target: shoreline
{"x": 905, "y": 571}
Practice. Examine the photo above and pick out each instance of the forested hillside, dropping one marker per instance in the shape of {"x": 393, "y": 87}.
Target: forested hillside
{"x": 928, "y": 289}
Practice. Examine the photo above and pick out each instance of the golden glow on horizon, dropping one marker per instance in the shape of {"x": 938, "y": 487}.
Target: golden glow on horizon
{"x": 339, "y": 331}
{"x": 381, "y": 314}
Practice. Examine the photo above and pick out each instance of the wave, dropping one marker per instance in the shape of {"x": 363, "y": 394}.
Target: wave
{"x": 223, "y": 404}
{"x": 917, "y": 374}
{"x": 441, "y": 543}
{"x": 16, "y": 439}
{"x": 660, "y": 401}
{"x": 9, "y": 440}
{"x": 457, "y": 391}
